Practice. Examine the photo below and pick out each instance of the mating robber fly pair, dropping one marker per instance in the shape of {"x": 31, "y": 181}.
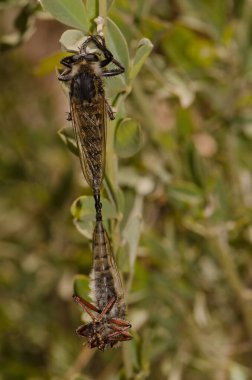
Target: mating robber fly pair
{"x": 88, "y": 111}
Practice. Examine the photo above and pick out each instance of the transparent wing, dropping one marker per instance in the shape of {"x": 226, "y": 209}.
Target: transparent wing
{"x": 89, "y": 122}
{"x": 114, "y": 268}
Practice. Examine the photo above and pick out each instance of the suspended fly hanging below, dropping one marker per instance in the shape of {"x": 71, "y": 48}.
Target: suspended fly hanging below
{"x": 88, "y": 106}
{"x": 108, "y": 327}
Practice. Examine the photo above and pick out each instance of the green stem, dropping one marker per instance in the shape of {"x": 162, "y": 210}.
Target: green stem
{"x": 224, "y": 255}
{"x": 103, "y": 8}
{"x": 81, "y": 361}
{"x": 111, "y": 158}
{"x": 103, "y": 13}
{"x": 110, "y": 192}
{"x": 127, "y": 361}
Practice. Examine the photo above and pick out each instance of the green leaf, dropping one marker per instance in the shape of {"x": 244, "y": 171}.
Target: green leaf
{"x": 47, "y": 65}
{"x": 129, "y": 177}
{"x": 110, "y": 4}
{"x": 72, "y": 39}
{"x": 184, "y": 123}
{"x": 188, "y": 50}
{"x": 72, "y": 13}
{"x": 143, "y": 51}
{"x": 81, "y": 285}
{"x": 67, "y": 135}
{"x": 128, "y": 138}
{"x": 132, "y": 230}
{"x": 186, "y": 193}
{"x": 85, "y": 228}
{"x": 83, "y": 209}
{"x": 117, "y": 44}
{"x": 179, "y": 86}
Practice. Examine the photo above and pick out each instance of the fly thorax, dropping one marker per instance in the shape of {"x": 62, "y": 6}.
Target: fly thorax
{"x": 96, "y": 68}
{"x": 76, "y": 68}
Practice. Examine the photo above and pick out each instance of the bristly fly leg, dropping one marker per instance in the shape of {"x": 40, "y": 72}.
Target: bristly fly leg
{"x": 110, "y": 111}
{"x": 121, "y": 322}
{"x": 114, "y": 72}
{"x": 100, "y": 43}
{"x": 69, "y": 116}
{"x": 120, "y": 331}
{"x": 107, "y": 308}
{"x": 66, "y": 76}
{"x": 68, "y": 62}
{"x": 87, "y": 306}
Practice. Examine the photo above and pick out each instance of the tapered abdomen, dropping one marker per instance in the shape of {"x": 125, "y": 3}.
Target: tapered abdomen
{"x": 105, "y": 278}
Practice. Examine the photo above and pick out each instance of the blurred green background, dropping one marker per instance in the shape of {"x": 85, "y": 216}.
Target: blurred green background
{"x": 188, "y": 197}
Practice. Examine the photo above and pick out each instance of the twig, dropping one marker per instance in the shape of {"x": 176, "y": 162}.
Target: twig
{"x": 81, "y": 361}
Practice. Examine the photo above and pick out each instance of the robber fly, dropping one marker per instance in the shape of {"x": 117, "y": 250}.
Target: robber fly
{"x": 89, "y": 107}
{"x": 108, "y": 326}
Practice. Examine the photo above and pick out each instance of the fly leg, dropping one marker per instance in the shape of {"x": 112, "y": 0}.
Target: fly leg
{"x": 120, "y": 322}
{"x": 68, "y": 62}
{"x": 86, "y": 306}
{"x": 65, "y": 76}
{"x": 110, "y": 112}
{"x": 100, "y": 43}
{"x": 113, "y": 72}
{"x": 107, "y": 309}
{"x": 120, "y": 334}
{"x": 120, "y": 328}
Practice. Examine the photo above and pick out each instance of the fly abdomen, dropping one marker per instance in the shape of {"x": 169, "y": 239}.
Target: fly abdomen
{"x": 102, "y": 276}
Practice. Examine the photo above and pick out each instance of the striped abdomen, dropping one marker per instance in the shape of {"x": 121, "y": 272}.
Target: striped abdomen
{"x": 105, "y": 278}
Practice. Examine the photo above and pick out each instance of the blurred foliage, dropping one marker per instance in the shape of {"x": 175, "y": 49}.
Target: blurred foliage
{"x": 23, "y": 24}
{"x": 186, "y": 194}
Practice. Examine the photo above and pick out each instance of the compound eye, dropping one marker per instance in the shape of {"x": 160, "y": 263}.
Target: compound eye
{"x": 92, "y": 58}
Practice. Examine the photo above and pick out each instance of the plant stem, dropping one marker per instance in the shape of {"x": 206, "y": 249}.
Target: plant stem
{"x": 111, "y": 158}
{"x": 103, "y": 8}
{"x": 224, "y": 255}
{"x": 81, "y": 361}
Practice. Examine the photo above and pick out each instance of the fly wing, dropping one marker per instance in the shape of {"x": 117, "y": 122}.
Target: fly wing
{"x": 89, "y": 122}
{"x": 119, "y": 309}
{"x": 114, "y": 268}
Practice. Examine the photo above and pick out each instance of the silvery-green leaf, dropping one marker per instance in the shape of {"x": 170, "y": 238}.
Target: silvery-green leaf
{"x": 72, "y": 13}
{"x": 143, "y": 51}
{"x": 72, "y": 39}
{"x": 128, "y": 138}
